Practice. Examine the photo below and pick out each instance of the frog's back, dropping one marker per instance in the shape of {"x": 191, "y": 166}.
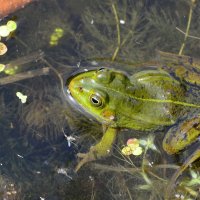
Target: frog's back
{"x": 150, "y": 100}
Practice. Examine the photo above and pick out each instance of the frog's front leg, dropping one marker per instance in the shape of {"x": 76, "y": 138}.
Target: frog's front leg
{"x": 101, "y": 149}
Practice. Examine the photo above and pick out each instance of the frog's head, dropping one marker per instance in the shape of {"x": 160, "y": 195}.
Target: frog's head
{"x": 90, "y": 90}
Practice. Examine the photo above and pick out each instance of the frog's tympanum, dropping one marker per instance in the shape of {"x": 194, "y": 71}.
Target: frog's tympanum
{"x": 145, "y": 101}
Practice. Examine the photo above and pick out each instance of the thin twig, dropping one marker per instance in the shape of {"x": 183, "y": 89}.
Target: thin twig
{"x": 130, "y": 169}
{"x": 34, "y": 56}
{"x": 187, "y": 29}
{"x": 118, "y": 32}
{"x": 190, "y": 36}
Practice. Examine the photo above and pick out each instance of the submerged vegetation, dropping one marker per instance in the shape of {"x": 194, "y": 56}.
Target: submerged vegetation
{"x": 35, "y": 135}
{"x": 44, "y": 112}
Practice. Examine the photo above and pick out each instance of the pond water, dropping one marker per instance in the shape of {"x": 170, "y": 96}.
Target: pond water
{"x": 41, "y": 137}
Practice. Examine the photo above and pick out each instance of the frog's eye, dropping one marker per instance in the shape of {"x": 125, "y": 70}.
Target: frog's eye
{"x": 96, "y": 100}
{"x": 104, "y": 75}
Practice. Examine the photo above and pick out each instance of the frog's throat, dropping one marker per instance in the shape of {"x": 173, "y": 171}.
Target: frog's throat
{"x": 168, "y": 101}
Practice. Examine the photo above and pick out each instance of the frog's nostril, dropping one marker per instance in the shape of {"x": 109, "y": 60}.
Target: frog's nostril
{"x": 80, "y": 89}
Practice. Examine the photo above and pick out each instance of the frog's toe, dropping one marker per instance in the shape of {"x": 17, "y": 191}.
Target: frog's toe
{"x": 81, "y": 155}
{"x": 81, "y": 163}
{"x": 85, "y": 157}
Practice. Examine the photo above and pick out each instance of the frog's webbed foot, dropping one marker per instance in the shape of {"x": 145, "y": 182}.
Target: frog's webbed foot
{"x": 87, "y": 157}
{"x": 101, "y": 149}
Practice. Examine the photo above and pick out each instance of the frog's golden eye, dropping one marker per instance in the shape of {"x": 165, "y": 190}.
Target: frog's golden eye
{"x": 96, "y": 100}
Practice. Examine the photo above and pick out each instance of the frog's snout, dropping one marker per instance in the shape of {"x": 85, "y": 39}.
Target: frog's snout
{"x": 73, "y": 87}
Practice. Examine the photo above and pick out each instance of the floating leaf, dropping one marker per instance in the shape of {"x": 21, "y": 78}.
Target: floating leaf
{"x": 133, "y": 143}
{"x": 127, "y": 151}
{"x": 11, "y": 71}
{"x": 143, "y": 142}
{"x": 149, "y": 143}
{"x": 3, "y": 48}
{"x": 55, "y": 36}
{"x": 2, "y": 67}
{"x": 138, "y": 151}
{"x": 4, "y": 32}
{"x": 132, "y": 148}
{"x": 11, "y": 25}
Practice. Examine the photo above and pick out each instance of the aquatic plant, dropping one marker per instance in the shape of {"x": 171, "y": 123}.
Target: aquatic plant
{"x": 44, "y": 113}
{"x": 145, "y": 176}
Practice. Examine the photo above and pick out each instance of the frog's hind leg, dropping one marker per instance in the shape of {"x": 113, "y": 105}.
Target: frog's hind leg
{"x": 101, "y": 149}
{"x": 181, "y": 136}
{"x": 190, "y": 127}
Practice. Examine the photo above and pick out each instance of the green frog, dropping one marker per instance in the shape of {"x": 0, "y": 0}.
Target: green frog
{"x": 146, "y": 100}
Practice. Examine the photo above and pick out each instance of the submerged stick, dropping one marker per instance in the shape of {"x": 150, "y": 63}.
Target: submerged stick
{"x": 131, "y": 169}
{"x": 34, "y": 56}
{"x": 24, "y": 75}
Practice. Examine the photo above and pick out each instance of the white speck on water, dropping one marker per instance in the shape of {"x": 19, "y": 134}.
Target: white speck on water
{"x": 91, "y": 178}
{"x": 69, "y": 139}
{"x": 121, "y": 21}
{"x": 64, "y": 172}
{"x": 78, "y": 64}
{"x": 68, "y": 91}
{"x": 20, "y": 156}
{"x": 95, "y": 63}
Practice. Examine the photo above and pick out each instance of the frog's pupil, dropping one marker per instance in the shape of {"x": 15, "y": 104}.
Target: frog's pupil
{"x": 94, "y": 100}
